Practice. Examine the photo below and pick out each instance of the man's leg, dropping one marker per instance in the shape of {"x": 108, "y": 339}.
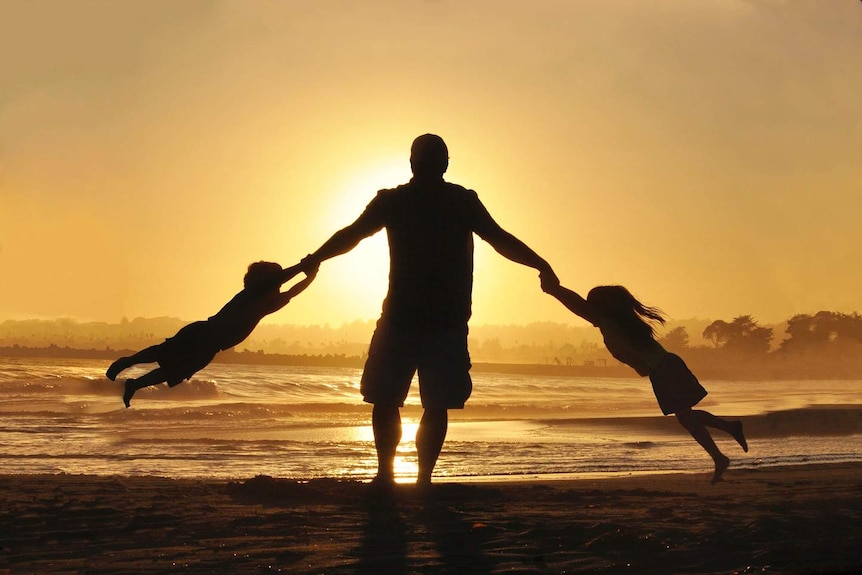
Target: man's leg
{"x": 429, "y": 441}
{"x": 386, "y": 423}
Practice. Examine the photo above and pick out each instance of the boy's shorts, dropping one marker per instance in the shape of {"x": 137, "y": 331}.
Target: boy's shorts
{"x": 441, "y": 359}
{"x": 674, "y": 385}
{"x": 186, "y": 353}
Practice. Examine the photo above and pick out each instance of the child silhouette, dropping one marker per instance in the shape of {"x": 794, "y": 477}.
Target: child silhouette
{"x": 196, "y": 344}
{"x": 627, "y": 328}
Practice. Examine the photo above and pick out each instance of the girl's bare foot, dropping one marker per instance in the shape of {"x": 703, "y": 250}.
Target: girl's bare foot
{"x": 739, "y": 436}
{"x": 721, "y": 466}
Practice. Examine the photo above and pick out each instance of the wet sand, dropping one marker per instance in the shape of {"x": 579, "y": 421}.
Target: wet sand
{"x": 800, "y": 519}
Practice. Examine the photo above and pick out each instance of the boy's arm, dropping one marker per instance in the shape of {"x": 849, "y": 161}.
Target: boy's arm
{"x": 296, "y": 289}
{"x": 276, "y": 282}
{"x": 575, "y": 303}
{"x": 288, "y": 273}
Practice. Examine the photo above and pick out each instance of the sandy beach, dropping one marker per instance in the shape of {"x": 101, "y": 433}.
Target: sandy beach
{"x": 801, "y": 519}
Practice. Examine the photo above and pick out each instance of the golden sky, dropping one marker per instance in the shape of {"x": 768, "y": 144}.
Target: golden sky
{"x": 705, "y": 154}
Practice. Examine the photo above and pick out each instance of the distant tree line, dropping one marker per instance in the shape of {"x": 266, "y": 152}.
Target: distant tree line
{"x": 825, "y": 331}
{"x": 823, "y": 345}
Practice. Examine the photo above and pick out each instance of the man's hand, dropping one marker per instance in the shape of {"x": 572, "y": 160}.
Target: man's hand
{"x": 309, "y": 264}
{"x": 549, "y": 280}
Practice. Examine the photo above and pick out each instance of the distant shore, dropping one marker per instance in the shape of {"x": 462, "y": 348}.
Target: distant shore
{"x": 723, "y": 371}
{"x": 797, "y": 519}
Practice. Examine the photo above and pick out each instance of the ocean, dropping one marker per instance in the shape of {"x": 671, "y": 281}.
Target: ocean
{"x": 240, "y": 421}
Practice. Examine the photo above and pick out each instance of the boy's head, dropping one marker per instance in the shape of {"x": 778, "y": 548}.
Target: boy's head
{"x": 261, "y": 272}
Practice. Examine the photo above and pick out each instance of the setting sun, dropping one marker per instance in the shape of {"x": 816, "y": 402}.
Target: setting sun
{"x": 152, "y": 152}
{"x": 364, "y": 272}
{"x": 166, "y": 406}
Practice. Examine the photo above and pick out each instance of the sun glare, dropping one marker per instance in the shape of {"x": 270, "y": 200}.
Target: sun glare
{"x": 362, "y": 275}
{"x": 360, "y": 184}
{"x": 406, "y": 465}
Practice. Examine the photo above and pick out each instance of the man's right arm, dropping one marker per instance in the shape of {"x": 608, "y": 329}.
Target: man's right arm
{"x": 345, "y": 239}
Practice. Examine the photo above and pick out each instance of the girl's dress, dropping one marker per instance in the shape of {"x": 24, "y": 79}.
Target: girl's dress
{"x": 674, "y": 385}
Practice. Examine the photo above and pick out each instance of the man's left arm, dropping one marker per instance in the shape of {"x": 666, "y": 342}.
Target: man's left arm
{"x": 517, "y": 251}
{"x": 511, "y": 248}
{"x": 507, "y": 245}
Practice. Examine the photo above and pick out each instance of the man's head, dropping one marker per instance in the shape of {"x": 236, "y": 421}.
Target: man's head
{"x": 429, "y": 156}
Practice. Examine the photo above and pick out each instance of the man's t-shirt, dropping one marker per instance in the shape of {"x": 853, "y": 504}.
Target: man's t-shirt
{"x": 430, "y": 228}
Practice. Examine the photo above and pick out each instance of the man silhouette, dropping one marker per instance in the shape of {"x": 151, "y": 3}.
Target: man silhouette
{"x": 423, "y": 326}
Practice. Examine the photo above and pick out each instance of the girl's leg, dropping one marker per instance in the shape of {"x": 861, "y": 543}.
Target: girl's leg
{"x": 154, "y": 377}
{"x": 147, "y": 355}
{"x": 700, "y": 433}
{"x": 734, "y": 428}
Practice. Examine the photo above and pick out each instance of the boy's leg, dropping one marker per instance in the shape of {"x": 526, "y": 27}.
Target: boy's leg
{"x": 386, "y": 423}
{"x": 147, "y": 355}
{"x": 154, "y": 377}
{"x": 429, "y": 441}
{"x": 700, "y": 433}
{"x": 734, "y": 428}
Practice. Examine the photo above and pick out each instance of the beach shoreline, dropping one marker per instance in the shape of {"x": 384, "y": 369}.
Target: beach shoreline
{"x": 792, "y": 519}
{"x": 721, "y": 368}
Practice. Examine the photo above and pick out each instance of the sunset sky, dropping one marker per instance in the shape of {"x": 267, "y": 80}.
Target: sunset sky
{"x": 706, "y": 154}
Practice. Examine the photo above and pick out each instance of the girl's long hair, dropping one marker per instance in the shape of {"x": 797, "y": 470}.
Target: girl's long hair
{"x": 619, "y": 305}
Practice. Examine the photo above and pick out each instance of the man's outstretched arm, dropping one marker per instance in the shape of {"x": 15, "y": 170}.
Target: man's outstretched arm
{"x": 517, "y": 251}
{"x": 341, "y": 242}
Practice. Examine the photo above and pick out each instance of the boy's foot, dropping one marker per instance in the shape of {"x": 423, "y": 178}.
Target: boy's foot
{"x": 721, "y": 466}
{"x": 115, "y": 369}
{"x": 739, "y": 436}
{"x": 129, "y": 393}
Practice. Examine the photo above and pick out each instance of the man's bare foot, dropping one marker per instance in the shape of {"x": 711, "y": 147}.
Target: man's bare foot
{"x": 129, "y": 392}
{"x": 721, "y": 466}
{"x": 384, "y": 477}
{"x": 424, "y": 486}
{"x": 383, "y": 485}
{"x": 739, "y": 436}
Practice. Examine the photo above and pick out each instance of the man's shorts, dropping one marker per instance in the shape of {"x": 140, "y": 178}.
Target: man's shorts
{"x": 441, "y": 359}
